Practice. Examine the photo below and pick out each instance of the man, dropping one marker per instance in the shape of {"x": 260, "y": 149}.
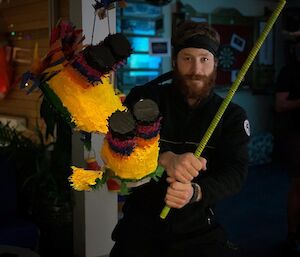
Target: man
{"x": 288, "y": 105}
{"x": 190, "y": 186}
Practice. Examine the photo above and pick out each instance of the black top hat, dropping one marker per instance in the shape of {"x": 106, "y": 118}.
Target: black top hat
{"x": 146, "y": 111}
{"x": 118, "y": 45}
{"x": 121, "y": 124}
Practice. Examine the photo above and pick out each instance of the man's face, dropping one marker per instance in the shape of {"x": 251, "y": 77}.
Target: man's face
{"x": 195, "y": 72}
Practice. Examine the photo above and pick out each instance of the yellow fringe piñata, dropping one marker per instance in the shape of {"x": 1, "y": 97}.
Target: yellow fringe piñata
{"x": 90, "y": 106}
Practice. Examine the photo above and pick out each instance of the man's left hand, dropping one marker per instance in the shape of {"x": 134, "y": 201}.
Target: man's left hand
{"x": 178, "y": 194}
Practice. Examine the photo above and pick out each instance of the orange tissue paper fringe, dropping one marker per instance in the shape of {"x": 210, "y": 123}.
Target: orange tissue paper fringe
{"x": 82, "y": 180}
{"x": 141, "y": 162}
{"x": 89, "y": 106}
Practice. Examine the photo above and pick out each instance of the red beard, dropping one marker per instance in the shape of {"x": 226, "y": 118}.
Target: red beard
{"x": 185, "y": 84}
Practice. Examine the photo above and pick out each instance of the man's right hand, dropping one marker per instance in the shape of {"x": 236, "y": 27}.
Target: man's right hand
{"x": 182, "y": 167}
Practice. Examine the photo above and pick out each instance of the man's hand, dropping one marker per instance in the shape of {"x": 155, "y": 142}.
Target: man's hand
{"x": 178, "y": 194}
{"x": 182, "y": 167}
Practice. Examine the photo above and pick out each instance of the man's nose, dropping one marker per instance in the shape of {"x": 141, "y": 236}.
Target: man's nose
{"x": 197, "y": 68}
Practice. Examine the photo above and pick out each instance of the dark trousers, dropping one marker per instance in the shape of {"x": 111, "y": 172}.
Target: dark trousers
{"x": 212, "y": 243}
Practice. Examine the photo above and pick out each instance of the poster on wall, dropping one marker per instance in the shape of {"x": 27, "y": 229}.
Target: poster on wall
{"x": 236, "y": 43}
{"x": 160, "y": 46}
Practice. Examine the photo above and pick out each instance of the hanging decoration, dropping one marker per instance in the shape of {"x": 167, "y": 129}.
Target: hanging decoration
{"x": 75, "y": 79}
{"x": 130, "y": 148}
{"x": 131, "y": 145}
{"x": 85, "y": 180}
{"x": 131, "y": 142}
{"x": 102, "y": 6}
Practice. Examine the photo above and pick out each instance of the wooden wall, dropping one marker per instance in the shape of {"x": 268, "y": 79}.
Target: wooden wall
{"x": 27, "y": 22}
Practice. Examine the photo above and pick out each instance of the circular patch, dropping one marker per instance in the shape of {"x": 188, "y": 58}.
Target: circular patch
{"x": 247, "y": 127}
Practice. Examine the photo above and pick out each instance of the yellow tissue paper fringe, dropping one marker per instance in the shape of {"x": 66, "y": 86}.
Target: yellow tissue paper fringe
{"x": 90, "y": 107}
{"x": 82, "y": 179}
{"x": 141, "y": 162}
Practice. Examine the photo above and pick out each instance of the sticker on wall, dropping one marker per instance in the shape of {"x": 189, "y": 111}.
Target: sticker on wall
{"x": 237, "y": 42}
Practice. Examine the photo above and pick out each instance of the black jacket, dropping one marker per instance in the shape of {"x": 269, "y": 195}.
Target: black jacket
{"x": 182, "y": 130}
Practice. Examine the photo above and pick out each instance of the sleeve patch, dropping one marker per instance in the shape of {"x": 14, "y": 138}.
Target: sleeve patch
{"x": 247, "y": 127}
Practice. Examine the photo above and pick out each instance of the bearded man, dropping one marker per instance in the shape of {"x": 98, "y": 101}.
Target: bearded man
{"x": 190, "y": 186}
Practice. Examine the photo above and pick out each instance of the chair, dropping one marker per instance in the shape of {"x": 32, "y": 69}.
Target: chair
{"x": 14, "y": 229}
